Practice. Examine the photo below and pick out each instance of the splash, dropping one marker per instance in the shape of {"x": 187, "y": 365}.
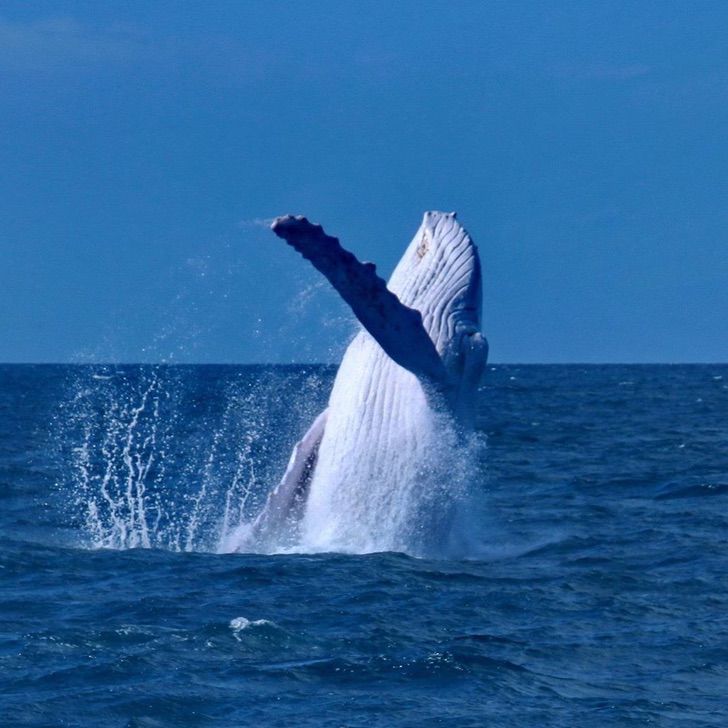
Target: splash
{"x": 172, "y": 457}
{"x": 182, "y": 458}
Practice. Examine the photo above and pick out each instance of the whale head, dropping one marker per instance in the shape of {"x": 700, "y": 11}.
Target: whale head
{"x": 439, "y": 275}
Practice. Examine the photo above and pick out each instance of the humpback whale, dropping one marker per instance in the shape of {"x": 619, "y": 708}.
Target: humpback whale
{"x": 372, "y": 472}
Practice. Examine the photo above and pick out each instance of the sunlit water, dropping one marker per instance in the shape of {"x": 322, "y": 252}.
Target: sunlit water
{"x": 595, "y": 593}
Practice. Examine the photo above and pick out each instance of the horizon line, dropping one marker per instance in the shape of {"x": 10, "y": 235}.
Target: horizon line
{"x": 335, "y": 364}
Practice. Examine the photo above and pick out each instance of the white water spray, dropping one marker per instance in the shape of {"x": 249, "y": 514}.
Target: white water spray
{"x": 149, "y": 470}
{"x": 146, "y": 468}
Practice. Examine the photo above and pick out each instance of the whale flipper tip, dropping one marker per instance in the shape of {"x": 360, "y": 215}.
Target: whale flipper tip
{"x": 297, "y": 226}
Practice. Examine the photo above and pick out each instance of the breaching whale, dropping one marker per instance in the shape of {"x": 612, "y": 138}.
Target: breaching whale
{"x": 407, "y": 379}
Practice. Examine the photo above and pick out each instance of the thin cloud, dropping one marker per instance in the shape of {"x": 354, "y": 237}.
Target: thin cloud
{"x": 54, "y": 44}
{"x": 602, "y": 72}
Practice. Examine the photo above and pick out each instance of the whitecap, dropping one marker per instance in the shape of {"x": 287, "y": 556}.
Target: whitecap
{"x": 239, "y": 624}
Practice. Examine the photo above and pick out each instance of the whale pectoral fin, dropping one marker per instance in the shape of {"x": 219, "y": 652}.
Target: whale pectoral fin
{"x": 397, "y": 328}
{"x": 286, "y": 501}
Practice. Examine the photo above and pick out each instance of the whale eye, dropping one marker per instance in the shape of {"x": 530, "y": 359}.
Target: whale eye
{"x": 423, "y": 247}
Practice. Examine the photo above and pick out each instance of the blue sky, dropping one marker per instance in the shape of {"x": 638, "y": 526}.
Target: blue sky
{"x": 144, "y": 144}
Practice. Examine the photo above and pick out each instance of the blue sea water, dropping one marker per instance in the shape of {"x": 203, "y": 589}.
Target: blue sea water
{"x": 599, "y": 596}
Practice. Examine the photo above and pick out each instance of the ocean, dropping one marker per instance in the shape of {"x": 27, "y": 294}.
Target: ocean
{"x": 597, "y": 594}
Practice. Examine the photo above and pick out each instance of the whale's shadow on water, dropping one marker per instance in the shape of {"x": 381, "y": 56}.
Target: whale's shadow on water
{"x": 161, "y": 458}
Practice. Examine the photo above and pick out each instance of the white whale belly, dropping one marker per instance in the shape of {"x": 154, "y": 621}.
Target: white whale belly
{"x": 373, "y": 456}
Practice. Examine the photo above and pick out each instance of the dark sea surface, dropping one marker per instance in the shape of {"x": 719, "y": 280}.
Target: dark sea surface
{"x": 599, "y": 598}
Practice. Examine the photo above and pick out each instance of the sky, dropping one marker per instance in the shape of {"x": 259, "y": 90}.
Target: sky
{"x": 145, "y": 145}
